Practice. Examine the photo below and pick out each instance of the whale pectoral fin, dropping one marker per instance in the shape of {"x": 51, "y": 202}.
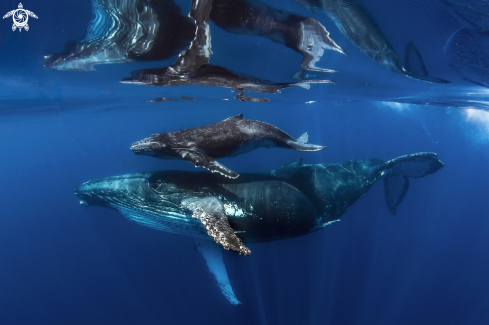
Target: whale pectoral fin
{"x": 314, "y": 38}
{"x": 210, "y": 211}
{"x": 213, "y": 257}
{"x": 395, "y": 189}
{"x": 199, "y": 52}
{"x": 203, "y": 160}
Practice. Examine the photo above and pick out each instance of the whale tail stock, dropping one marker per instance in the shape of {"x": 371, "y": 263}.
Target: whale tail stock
{"x": 300, "y": 144}
{"x": 396, "y": 174}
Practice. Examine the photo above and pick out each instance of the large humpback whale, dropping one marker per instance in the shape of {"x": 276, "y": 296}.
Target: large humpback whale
{"x": 231, "y": 137}
{"x": 356, "y": 23}
{"x": 294, "y": 200}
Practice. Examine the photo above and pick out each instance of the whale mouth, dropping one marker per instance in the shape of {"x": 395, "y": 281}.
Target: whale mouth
{"x": 144, "y": 146}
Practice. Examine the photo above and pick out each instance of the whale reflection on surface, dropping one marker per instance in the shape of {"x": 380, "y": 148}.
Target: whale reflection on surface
{"x": 139, "y": 30}
{"x": 356, "y": 23}
{"x": 126, "y": 31}
{"x": 192, "y": 67}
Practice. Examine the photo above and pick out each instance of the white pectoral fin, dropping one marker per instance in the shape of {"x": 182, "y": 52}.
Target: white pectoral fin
{"x": 213, "y": 256}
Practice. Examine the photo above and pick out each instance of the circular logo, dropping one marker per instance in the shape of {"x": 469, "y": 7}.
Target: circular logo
{"x": 20, "y": 18}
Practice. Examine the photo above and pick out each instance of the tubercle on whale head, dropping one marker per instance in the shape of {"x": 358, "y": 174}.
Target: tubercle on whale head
{"x": 147, "y": 145}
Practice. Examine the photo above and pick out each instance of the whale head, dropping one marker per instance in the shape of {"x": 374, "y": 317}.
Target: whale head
{"x": 150, "y": 146}
{"x": 104, "y": 191}
{"x": 149, "y": 199}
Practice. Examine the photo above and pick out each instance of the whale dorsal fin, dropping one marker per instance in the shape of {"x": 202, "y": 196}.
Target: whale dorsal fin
{"x": 415, "y": 67}
{"x": 303, "y": 138}
{"x": 287, "y": 170}
{"x": 210, "y": 211}
{"x": 213, "y": 257}
{"x": 237, "y": 117}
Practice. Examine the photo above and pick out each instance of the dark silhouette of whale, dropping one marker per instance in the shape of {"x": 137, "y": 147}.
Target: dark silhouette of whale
{"x": 356, "y": 23}
{"x": 292, "y": 201}
{"x": 231, "y": 137}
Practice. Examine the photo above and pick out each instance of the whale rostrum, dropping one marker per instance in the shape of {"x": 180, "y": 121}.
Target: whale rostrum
{"x": 294, "y": 200}
{"x": 231, "y": 137}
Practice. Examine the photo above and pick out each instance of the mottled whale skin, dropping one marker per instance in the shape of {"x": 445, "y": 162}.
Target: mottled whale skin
{"x": 292, "y": 201}
{"x": 192, "y": 66}
{"x": 304, "y": 35}
{"x": 231, "y": 137}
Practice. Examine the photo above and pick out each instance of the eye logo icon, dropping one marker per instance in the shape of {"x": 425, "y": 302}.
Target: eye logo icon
{"x": 20, "y": 17}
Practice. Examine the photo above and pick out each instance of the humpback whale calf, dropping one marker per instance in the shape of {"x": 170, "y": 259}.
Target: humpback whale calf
{"x": 304, "y": 35}
{"x": 231, "y": 137}
{"x": 291, "y": 201}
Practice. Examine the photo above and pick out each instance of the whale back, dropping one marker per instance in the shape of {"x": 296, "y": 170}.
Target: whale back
{"x": 333, "y": 187}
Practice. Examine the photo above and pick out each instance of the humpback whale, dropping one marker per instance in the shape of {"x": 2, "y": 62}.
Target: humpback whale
{"x": 304, "y": 35}
{"x": 231, "y": 137}
{"x": 291, "y": 201}
{"x": 125, "y": 31}
{"x": 355, "y": 22}
{"x": 142, "y": 30}
{"x": 192, "y": 66}
{"x": 467, "y": 51}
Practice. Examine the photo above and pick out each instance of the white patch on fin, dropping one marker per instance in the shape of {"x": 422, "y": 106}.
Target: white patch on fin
{"x": 215, "y": 262}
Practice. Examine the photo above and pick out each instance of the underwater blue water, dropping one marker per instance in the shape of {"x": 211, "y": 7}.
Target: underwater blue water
{"x": 63, "y": 263}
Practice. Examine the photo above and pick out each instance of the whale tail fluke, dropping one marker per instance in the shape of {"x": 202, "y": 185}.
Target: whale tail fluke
{"x": 396, "y": 174}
